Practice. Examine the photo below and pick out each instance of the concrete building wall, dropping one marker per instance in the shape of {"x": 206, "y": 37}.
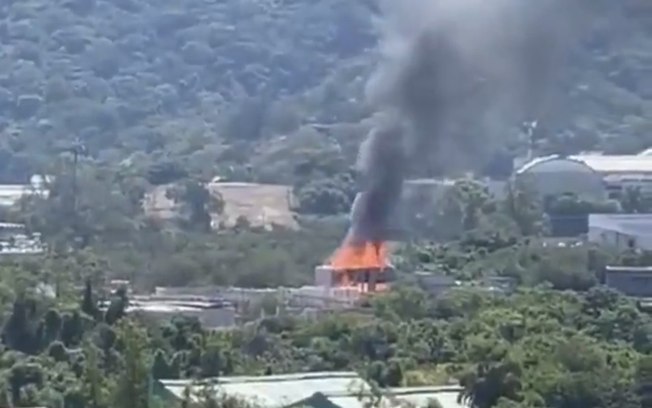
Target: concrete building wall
{"x": 634, "y": 281}
{"x": 434, "y": 284}
{"x": 210, "y": 318}
{"x": 324, "y": 276}
{"x": 218, "y": 317}
{"x": 610, "y": 238}
{"x": 621, "y": 231}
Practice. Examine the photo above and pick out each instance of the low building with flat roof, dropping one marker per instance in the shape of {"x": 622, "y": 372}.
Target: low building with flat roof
{"x": 15, "y": 240}
{"x": 621, "y": 231}
{"x": 635, "y": 281}
{"x": 211, "y": 314}
{"x": 318, "y": 389}
{"x": 10, "y": 194}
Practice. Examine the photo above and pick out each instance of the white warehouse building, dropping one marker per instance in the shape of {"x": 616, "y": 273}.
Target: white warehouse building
{"x": 592, "y": 176}
{"x": 621, "y": 231}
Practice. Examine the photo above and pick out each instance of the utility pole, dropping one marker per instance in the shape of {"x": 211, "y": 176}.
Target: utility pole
{"x": 76, "y": 149}
{"x": 529, "y": 128}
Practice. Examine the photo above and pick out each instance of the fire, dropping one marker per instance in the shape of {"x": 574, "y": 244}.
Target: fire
{"x": 368, "y": 255}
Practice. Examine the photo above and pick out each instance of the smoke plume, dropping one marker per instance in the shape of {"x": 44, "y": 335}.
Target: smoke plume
{"x": 454, "y": 75}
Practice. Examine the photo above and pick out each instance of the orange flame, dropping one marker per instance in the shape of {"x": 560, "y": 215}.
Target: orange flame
{"x": 368, "y": 255}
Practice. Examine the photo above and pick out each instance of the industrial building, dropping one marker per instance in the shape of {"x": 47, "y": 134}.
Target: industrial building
{"x": 317, "y": 389}
{"x": 621, "y": 231}
{"x": 590, "y": 176}
{"x": 212, "y": 314}
{"x": 435, "y": 284}
{"x": 11, "y": 193}
{"x": 635, "y": 281}
{"x": 291, "y": 299}
{"x": 16, "y": 241}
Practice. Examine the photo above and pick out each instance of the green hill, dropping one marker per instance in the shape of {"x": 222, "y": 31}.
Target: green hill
{"x": 235, "y": 87}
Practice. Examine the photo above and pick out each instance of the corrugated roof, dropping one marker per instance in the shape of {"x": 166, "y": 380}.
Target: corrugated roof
{"x": 619, "y": 268}
{"x": 281, "y": 390}
{"x": 342, "y": 389}
{"x": 626, "y": 224}
{"x": 617, "y": 164}
{"x": 11, "y": 225}
{"x": 447, "y": 396}
{"x": 535, "y": 162}
{"x": 610, "y": 164}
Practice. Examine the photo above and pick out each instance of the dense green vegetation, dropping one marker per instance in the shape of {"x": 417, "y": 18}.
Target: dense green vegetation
{"x": 519, "y": 349}
{"x": 539, "y": 347}
{"x": 258, "y": 90}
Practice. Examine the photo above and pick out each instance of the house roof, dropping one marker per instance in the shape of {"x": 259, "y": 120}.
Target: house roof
{"x": 603, "y": 164}
{"x": 628, "y": 164}
{"x": 626, "y": 224}
{"x": 447, "y": 396}
{"x": 628, "y": 269}
{"x": 317, "y": 390}
{"x": 281, "y": 390}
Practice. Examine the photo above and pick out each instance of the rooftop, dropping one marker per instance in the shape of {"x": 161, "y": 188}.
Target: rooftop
{"x": 21, "y": 245}
{"x": 174, "y": 306}
{"x": 447, "y": 396}
{"x": 11, "y": 225}
{"x": 431, "y": 182}
{"x": 279, "y": 390}
{"x": 629, "y": 268}
{"x": 617, "y": 164}
{"x": 609, "y": 164}
{"x": 626, "y": 224}
{"x": 341, "y": 389}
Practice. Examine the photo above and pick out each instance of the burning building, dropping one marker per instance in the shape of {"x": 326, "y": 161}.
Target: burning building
{"x": 362, "y": 268}
{"x": 454, "y": 76}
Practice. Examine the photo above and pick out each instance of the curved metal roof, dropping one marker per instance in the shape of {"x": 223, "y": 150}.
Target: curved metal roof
{"x": 603, "y": 164}
{"x": 556, "y": 161}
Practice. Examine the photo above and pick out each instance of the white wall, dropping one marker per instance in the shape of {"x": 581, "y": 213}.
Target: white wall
{"x": 609, "y": 238}
{"x": 324, "y": 276}
{"x": 217, "y": 317}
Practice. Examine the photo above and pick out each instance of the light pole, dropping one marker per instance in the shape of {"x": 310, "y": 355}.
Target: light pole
{"x": 528, "y": 129}
{"x": 76, "y": 149}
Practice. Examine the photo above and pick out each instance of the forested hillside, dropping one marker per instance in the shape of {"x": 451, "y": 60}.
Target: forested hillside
{"x": 229, "y": 86}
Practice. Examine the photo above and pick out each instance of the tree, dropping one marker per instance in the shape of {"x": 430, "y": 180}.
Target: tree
{"x": 165, "y": 172}
{"x": 132, "y": 387}
{"x": 524, "y": 207}
{"x": 211, "y": 360}
{"x": 20, "y": 331}
{"x": 52, "y": 324}
{"x": 633, "y": 201}
{"x": 197, "y": 204}
{"x": 161, "y": 367}
{"x": 72, "y": 328}
{"x": 89, "y": 305}
{"x": 644, "y": 381}
{"x": 488, "y": 382}
{"x": 21, "y": 377}
{"x": 94, "y": 385}
{"x": 117, "y": 307}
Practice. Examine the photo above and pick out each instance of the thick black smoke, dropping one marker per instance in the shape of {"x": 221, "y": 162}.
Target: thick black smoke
{"x": 454, "y": 75}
